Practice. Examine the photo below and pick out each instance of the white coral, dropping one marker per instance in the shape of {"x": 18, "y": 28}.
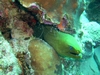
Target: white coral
{"x": 93, "y": 31}
{"x": 8, "y": 59}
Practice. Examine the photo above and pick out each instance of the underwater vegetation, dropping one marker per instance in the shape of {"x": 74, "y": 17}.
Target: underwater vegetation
{"x": 49, "y": 37}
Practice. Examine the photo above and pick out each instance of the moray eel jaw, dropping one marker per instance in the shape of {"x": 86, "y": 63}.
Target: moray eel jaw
{"x": 75, "y": 55}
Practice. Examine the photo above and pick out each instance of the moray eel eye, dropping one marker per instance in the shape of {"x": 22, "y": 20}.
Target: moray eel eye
{"x": 71, "y": 48}
{"x": 72, "y": 51}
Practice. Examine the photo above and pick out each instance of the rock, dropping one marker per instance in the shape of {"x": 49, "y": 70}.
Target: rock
{"x": 89, "y": 50}
{"x": 44, "y": 59}
{"x": 91, "y": 32}
{"x": 90, "y": 37}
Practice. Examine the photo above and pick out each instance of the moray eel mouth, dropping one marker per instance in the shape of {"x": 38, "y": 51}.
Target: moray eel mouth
{"x": 73, "y": 55}
{"x": 76, "y": 55}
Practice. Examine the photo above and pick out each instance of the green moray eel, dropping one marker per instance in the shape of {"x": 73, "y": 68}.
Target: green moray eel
{"x": 64, "y": 44}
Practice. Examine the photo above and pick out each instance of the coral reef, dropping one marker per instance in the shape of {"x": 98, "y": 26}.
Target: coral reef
{"x": 56, "y": 13}
{"x": 9, "y": 64}
{"x": 90, "y": 38}
{"x": 20, "y": 49}
{"x": 35, "y": 49}
{"x": 91, "y": 31}
{"x": 44, "y": 58}
{"x": 89, "y": 35}
{"x": 16, "y": 31}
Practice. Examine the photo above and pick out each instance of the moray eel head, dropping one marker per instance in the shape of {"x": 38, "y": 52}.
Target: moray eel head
{"x": 70, "y": 50}
{"x": 67, "y": 46}
{"x": 64, "y": 44}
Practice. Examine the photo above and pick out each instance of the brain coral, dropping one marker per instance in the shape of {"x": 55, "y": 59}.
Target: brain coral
{"x": 44, "y": 58}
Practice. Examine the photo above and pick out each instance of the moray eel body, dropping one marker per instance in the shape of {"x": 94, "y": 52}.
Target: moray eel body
{"x": 64, "y": 44}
